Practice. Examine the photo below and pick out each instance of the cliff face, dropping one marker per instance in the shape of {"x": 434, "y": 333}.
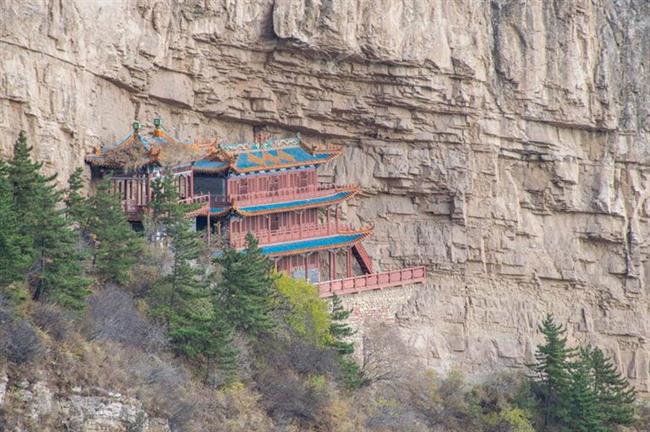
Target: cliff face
{"x": 502, "y": 143}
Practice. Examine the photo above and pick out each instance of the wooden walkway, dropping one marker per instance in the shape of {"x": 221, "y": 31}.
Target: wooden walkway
{"x": 374, "y": 281}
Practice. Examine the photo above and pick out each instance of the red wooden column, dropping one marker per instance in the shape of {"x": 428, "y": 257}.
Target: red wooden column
{"x": 337, "y": 218}
{"x": 349, "y": 262}
{"x": 332, "y": 265}
{"x": 207, "y": 218}
{"x": 327, "y": 219}
{"x": 306, "y": 266}
{"x": 268, "y": 228}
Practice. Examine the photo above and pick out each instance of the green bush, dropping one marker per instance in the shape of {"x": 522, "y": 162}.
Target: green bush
{"x": 309, "y": 315}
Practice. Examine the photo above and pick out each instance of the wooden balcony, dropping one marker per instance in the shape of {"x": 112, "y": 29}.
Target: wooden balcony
{"x": 238, "y": 240}
{"x": 371, "y": 282}
{"x": 283, "y": 194}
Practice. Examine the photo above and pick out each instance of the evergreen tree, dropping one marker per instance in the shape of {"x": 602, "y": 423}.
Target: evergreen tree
{"x": 183, "y": 285}
{"x": 26, "y": 184}
{"x": 222, "y": 352}
{"x": 614, "y": 394}
{"x": 583, "y": 414}
{"x": 116, "y": 246}
{"x": 552, "y": 368}
{"x": 196, "y": 325}
{"x": 13, "y": 261}
{"x": 339, "y": 329}
{"x": 246, "y": 291}
{"x": 56, "y": 271}
{"x": 76, "y": 204}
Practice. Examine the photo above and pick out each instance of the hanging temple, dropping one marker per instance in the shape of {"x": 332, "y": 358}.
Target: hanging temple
{"x": 269, "y": 188}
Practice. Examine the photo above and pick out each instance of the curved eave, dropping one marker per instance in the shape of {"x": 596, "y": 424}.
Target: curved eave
{"x": 210, "y": 167}
{"x": 331, "y": 155}
{"x": 214, "y": 211}
{"x": 343, "y": 194}
{"x": 340, "y": 240}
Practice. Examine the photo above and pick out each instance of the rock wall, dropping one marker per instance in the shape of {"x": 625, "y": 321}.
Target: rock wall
{"x": 502, "y": 143}
{"x": 40, "y": 405}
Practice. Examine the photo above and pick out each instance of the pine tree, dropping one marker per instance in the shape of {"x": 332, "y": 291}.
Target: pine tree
{"x": 583, "y": 414}
{"x": 615, "y": 396}
{"x": 56, "y": 271}
{"x": 552, "y": 368}
{"x": 196, "y": 325}
{"x": 183, "y": 284}
{"x": 339, "y": 329}
{"x": 223, "y": 351}
{"x": 26, "y": 183}
{"x": 246, "y": 291}
{"x": 115, "y": 245}
{"x": 13, "y": 261}
{"x": 76, "y": 204}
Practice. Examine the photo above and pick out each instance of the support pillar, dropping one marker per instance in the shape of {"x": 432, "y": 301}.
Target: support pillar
{"x": 349, "y": 262}
{"x": 337, "y": 218}
{"x": 307, "y": 267}
{"x": 332, "y": 256}
{"x": 327, "y": 219}
{"x": 207, "y": 218}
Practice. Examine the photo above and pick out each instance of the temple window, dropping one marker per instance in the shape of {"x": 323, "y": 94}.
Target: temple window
{"x": 303, "y": 179}
{"x": 243, "y": 186}
{"x": 274, "y": 223}
{"x": 274, "y": 183}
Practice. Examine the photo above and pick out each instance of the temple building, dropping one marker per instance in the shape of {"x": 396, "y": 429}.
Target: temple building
{"x": 269, "y": 188}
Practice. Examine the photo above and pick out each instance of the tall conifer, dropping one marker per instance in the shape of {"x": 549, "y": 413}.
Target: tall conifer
{"x": 247, "y": 288}
{"x": 13, "y": 260}
{"x": 614, "y": 394}
{"x": 552, "y": 368}
{"x": 56, "y": 271}
{"x": 339, "y": 328}
{"x": 76, "y": 204}
{"x": 115, "y": 245}
{"x": 583, "y": 413}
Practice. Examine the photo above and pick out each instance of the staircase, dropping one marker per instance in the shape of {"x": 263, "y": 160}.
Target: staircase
{"x": 362, "y": 258}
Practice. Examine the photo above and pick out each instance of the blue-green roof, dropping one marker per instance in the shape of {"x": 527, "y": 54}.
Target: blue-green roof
{"x": 277, "y": 207}
{"x": 299, "y": 246}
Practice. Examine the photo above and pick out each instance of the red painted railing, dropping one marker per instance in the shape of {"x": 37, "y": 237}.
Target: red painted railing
{"x": 238, "y": 240}
{"x": 197, "y": 199}
{"x": 373, "y": 281}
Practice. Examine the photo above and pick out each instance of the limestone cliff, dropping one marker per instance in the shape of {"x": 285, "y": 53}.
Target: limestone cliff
{"x": 502, "y": 143}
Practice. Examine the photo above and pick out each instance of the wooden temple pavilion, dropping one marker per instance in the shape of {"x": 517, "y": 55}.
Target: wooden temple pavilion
{"x": 269, "y": 189}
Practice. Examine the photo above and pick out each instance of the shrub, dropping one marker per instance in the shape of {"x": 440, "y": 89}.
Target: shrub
{"x": 309, "y": 314}
{"x": 19, "y": 342}
{"x": 282, "y": 353}
{"x": 51, "y": 320}
{"x": 289, "y": 399}
{"x": 113, "y": 316}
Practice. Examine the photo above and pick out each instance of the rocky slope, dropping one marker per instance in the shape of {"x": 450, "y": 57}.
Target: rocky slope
{"x": 502, "y": 143}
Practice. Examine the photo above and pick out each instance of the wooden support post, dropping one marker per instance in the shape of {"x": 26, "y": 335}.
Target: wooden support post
{"x": 327, "y": 219}
{"x": 332, "y": 265}
{"x": 307, "y": 267}
{"x": 208, "y": 220}
{"x": 191, "y": 183}
{"x": 337, "y": 218}
{"x": 349, "y": 263}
